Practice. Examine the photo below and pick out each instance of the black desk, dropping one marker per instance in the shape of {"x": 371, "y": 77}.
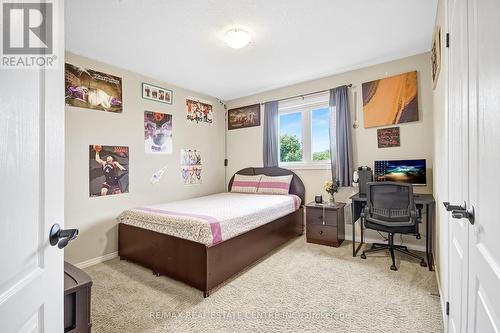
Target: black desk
{"x": 421, "y": 200}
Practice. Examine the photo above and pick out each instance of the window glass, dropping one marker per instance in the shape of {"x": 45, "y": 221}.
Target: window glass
{"x": 320, "y": 137}
{"x": 290, "y": 133}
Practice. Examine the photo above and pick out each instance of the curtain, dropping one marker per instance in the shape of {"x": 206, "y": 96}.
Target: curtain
{"x": 340, "y": 136}
{"x": 270, "y": 147}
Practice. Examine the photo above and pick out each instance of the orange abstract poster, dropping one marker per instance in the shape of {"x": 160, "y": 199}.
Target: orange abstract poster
{"x": 392, "y": 100}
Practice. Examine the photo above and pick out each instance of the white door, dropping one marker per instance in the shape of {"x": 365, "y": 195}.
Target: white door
{"x": 458, "y": 163}
{"x": 484, "y": 183}
{"x": 31, "y": 195}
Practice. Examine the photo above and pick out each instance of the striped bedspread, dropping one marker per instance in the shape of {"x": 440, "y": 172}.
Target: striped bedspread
{"x": 214, "y": 218}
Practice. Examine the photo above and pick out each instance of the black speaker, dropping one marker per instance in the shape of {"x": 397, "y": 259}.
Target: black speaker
{"x": 365, "y": 175}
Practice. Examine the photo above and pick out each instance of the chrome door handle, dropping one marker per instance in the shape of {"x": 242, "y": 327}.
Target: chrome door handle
{"x": 61, "y": 237}
{"x": 464, "y": 214}
{"x": 450, "y": 207}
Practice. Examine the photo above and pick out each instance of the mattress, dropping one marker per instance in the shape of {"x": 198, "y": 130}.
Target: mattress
{"x": 214, "y": 218}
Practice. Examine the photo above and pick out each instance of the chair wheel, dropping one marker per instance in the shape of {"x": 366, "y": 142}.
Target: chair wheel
{"x": 418, "y": 236}
{"x": 423, "y": 263}
{"x": 394, "y": 268}
{"x": 363, "y": 256}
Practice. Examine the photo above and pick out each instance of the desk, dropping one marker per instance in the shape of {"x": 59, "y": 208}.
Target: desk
{"x": 421, "y": 201}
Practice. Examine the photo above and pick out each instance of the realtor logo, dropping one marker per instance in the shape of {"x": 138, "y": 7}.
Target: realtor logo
{"x": 27, "y": 36}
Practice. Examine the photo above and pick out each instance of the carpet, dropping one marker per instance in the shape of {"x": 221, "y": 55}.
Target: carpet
{"x": 301, "y": 287}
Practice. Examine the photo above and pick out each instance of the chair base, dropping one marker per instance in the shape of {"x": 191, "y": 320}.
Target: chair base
{"x": 376, "y": 247}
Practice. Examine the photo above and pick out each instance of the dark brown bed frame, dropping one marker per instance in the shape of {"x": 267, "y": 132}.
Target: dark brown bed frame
{"x": 205, "y": 267}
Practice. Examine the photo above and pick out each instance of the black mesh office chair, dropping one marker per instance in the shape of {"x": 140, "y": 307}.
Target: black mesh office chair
{"x": 391, "y": 208}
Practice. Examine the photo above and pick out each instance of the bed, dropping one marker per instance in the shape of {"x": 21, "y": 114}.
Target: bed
{"x": 205, "y": 241}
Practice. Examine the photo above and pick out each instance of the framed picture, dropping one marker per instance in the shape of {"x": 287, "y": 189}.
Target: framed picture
{"x": 436, "y": 56}
{"x": 198, "y": 111}
{"x": 391, "y": 100}
{"x": 388, "y": 137}
{"x": 86, "y": 88}
{"x": 247, "y": 116}
{"x": 156, "y": 93}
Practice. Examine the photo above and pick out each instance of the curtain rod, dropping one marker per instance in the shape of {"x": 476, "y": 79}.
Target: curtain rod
{"x": 308, "y": 94}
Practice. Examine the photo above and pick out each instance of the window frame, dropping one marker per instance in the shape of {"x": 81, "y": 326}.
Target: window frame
{"x": 305, "y": 106}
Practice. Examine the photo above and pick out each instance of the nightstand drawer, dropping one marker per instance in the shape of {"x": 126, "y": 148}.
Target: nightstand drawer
{"x": 314, "y": 215}
{"x": 322, "y": 234}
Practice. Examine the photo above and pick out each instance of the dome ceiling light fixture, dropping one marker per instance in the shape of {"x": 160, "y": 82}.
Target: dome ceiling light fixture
{"x": 237, "y": 38}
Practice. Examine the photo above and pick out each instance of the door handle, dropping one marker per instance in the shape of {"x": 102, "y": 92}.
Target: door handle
{"x": 61, "y": 237}
{"x": 464, "y": 214}
{"x": 450, "y": 207}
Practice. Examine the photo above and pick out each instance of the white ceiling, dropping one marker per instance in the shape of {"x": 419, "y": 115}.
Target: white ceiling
{"x": 180, "y": 41}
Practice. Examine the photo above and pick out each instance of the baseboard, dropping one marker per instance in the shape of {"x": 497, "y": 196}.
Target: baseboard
{"x": 97, "y": 260}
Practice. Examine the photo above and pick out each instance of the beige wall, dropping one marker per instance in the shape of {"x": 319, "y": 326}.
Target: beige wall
{"x": 244, "y": 146}
{"x": 441, "y": 159}
{"x": 96, "y": 217}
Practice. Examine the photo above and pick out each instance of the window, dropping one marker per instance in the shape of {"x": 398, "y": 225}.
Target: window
{"x": 304, "y": 132}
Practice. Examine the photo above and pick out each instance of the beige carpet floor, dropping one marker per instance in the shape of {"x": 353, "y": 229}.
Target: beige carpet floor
{"x": 300, "y": 288}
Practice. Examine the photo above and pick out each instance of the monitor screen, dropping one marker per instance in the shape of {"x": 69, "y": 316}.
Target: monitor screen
{"x": 404, "y": 171}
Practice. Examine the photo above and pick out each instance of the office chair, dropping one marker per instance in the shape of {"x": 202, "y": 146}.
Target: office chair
{"x": 391, "y": 208}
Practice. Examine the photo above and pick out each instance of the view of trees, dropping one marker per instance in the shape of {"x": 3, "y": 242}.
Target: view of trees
{"x": 291, "y": 150}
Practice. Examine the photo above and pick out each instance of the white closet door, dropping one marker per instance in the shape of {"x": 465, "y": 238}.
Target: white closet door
{"x": 484, "y": 147}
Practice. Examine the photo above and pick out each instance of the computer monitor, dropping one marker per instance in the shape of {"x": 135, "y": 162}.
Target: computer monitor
{"x": 404, "y": 171}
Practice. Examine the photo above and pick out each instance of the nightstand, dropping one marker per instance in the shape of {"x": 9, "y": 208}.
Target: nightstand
{"x": 325, "y": 223}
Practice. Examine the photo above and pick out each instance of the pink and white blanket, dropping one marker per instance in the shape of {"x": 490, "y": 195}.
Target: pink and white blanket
{"x": 214, "y": 218}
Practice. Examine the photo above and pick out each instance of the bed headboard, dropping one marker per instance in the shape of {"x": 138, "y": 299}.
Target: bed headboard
{"x": 296, "y": 186}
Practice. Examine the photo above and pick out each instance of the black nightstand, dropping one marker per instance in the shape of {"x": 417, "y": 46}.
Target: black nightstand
{"x": 325, "y": 223}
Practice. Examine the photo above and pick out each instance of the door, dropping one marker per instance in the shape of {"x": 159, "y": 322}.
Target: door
{"x": 484, "y": 184}
{"x": 458, "y": 163}
{"x": 32, "y": 194}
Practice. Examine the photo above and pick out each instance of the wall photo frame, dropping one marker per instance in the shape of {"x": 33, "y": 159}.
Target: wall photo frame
{"x": 246, "y": 116}
{"x": 436, "y": 56}
{"x": 157, "y": 94}
{"x": 388, "y": 137}
{"x": 391, "y": 100}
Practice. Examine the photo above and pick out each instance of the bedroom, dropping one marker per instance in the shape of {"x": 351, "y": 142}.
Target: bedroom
{"x": 227, "y": 166}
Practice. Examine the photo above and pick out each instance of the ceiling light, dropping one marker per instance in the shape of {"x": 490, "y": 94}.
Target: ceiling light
{"x": 237, "y": 38}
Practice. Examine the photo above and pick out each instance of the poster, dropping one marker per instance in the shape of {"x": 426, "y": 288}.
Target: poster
{"x": 108, "y": 170}
{"x": 198, "y": 111}
{"x": 247, "y": 116}
{"x": 157, "y": 94}
{"x": 391, "y": 100}
{"x": 157, "y": 132}
{"x": 436, "y": 56}
{"x": 191, "y": 166}
{"x": 86, "y": 88}
{"x": 388, "y": 137}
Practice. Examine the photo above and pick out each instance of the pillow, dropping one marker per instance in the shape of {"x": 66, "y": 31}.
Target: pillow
{"x": 274, "y": 184}
{"x": 245, "y": 184}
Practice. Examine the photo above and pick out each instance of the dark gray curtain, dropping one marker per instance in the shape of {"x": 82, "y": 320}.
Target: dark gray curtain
{"x": 340, "y": 136}
{"x": 270, "y": 134}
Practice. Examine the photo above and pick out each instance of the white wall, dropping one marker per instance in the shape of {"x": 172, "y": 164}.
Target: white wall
{"x": 96, "y": 217}
{"x": 244, "y": 146}
{"x": 440, "y": 101}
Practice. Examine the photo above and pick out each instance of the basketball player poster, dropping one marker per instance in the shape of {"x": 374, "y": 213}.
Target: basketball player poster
{"x": 157, "y": 132}
{"x": 191, "y": 166}
{"x": 108, "y": 170}
{"x": 86, "y": 88}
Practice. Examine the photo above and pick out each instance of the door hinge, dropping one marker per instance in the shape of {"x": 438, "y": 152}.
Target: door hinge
{"x": 225, "y": 162}
{"x": 447, "y": 40}
{"x": 447, "y": 308}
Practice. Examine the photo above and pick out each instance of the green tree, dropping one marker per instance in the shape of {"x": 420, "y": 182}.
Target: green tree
{"x": 290, "y": 149}
{"x": 322, "y": 155}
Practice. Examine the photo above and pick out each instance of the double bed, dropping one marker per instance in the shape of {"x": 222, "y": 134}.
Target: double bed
{"x": 205, "y": 241}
